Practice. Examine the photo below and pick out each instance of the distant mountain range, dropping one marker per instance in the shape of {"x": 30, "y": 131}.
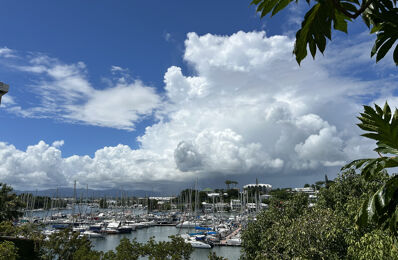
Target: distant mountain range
{"x": 68, "y": 192}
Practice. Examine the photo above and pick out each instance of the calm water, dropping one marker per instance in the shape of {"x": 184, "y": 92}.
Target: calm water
{"x": 161, "y": 234}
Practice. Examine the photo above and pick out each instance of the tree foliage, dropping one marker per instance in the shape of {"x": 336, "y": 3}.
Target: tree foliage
{"x": 214, "y": 256}
{"x": 373, "y": 246}
{"x": 258, "y": 233}
{"x": 323, "y": 16}
{"x": 67, "y": 245}
{"x": 8, "y": 251}
{"x": 103, "y": 204}
{"x": 290, "y": 229}
{"x": 175, "y": 249}
{"x": 10, "y": 204}
{"x": 380, "y": 125}
{"x": 70, "y": 246}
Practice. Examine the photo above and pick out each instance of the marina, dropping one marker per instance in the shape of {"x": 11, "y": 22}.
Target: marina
{"x": 219, "y": 233}
{"x": 161, "y": 233}
{"x": 210, "y": 221}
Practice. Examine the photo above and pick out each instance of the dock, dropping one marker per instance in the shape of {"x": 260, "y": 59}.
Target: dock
{"x": 224, "y": 241}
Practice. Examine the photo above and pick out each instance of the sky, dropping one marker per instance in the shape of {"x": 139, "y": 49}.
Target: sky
{"x": 154, "y": 95}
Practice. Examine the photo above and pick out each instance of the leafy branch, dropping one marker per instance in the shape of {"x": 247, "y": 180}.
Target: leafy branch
{"x": 382, "y": 207}
{"x": 380, "y": 16}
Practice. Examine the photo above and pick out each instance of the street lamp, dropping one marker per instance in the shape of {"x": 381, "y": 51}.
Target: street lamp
{"x": 3, "y": 89}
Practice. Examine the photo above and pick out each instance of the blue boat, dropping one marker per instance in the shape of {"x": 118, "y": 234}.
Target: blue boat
{"x": 203, "y": 228}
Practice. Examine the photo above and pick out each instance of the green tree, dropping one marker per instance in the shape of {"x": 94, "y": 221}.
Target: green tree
{"x": 10, "y": 204}
{"x": 382, "y": 207}
{"x": 349, "y": 187}
{"x": 281, "y": 194}
{"x": 103, "y": 204}
{"x": 228, "y": 183}
{"x": 175, "y": 249}
{"x": 232, "y": 194}
{"x": 27, "y": 230}
{"x": 68, "y": 246}
{"x": 314, "y": 234}
{"x": 128, "y": 250}
{"x": 214, "y": 256}
{"x": 373, "y": 246}
{"x": 257, "y": 232}
{"x": 323, "y": 16}
{"x": 8, "y": 251}
{"x": 292, "y": 230}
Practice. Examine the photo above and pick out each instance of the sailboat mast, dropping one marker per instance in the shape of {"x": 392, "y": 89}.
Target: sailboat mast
{"x": 74, "y": 201}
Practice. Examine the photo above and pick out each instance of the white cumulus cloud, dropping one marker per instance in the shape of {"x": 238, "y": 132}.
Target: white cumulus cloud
{"x": 64, "y": 92}
{"x": 247, "y": 110}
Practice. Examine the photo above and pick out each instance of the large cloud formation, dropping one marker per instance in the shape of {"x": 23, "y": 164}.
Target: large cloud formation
{"x": 248, "y": 110}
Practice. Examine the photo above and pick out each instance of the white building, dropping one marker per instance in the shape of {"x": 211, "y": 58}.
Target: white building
{"x": 261, "y": 187}
{"x": 207, "y": 207}
{"x": 308, "y": 190}
{"x": 235, "y": 205}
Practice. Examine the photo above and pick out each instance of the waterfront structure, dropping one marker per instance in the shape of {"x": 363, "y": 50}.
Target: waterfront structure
{"x": 265, "y": 197}
{"x": 308, "y": 190}
{"x": 235, "y": 205}
{"x": 207, "y": 207}
{"x": 252, "y": 194}
{"x": 312, "y": 194}
{"x": 261, "y": 187}
{"x": 221, "y": 206}
{"x": 165, "y": 199}
{"x": 162, "y": 202}
{"x": 254, "y": 206}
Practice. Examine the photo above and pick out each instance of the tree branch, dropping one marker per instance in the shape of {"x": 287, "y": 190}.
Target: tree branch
{"x": 336, "y": 4}
{"x": 364, "y": 5}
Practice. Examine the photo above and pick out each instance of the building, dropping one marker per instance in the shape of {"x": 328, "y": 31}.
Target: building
{"x": 308, "y": 190}
{"x": 253, "y": 194}
{"x": 207, "y": 207}
{"x": 265, "y": 197}
{"x": 261, "y": 187}
{"x": 312, "y": 194}
{"x": 235, "y": 205}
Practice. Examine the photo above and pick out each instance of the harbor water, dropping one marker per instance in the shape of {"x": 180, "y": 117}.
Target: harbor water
{"x": 161, "y": 233}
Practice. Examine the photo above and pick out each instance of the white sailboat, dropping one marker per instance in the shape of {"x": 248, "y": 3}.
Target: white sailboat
{"x": 198, "y": 244}
{"x": 92, "y": 234}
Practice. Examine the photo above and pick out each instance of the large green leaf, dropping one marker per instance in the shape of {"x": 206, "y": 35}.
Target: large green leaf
{"x": 266, "y": 6}
{"x": 381, "y": 126}
{"x": 382, "y": 18}
{"x": 317, "y": 26}
{"x": 381, "y": 207}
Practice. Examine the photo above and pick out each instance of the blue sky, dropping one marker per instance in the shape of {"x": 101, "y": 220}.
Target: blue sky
{"x": 151, "y": 94}
{"x": 146, "y": 37}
